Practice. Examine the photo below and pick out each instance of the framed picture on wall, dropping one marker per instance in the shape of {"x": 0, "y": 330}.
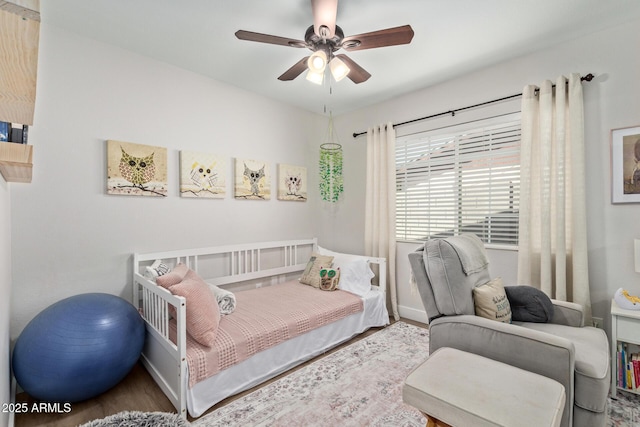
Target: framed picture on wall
{"x": 252, "y": 180}
{"x": 202, "y": 175}
{"x": 292, "y": 183}
{"x": 136, "y": 169}
{"x": 625, "y": 165}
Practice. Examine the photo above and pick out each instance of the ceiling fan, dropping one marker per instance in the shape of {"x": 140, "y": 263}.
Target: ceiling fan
{"x": 324, "y": 38}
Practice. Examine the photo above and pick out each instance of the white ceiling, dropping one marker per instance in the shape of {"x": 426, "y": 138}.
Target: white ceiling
{"x": 452, "y": 37}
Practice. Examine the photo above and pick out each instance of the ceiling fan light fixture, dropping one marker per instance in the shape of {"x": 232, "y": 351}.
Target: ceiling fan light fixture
{"x": 339, "y": 69}
{"x": 324, "y": 38}
{"x": 315, "y": 77}
{"x": 317, "y": 61}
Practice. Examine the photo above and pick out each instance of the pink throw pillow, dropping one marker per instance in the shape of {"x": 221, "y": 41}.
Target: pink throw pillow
{"x": 173, "y": 277}
{"x": 203, "y": 313}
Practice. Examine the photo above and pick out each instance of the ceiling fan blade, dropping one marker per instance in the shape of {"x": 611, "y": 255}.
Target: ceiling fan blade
{"x": 266, "y": 38}
{"x": 357, "y": 73}
{"x": 324, "y": 14}
{"x": 382, "y": 38}
{"x": 294, "y": 71}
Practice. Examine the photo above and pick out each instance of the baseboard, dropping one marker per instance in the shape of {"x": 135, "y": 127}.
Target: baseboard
{"x": 413, "y": 314}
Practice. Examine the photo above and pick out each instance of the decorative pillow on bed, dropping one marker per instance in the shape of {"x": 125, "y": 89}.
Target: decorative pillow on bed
{"x": 355, "y": 272}
{"x": 173, "y": 277}
{"x": 203, "y": 313}
{"x": 329, "y": 278}
{"x": 490, "y": 301}
{"x": 158, "y": 268}
{"x": 311, "y": 274}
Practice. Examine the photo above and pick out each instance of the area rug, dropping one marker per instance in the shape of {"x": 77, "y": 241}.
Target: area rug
{"x": 139, "y": 419}
{"x": 624, "y": 411}
{"x": 359, "y": 385}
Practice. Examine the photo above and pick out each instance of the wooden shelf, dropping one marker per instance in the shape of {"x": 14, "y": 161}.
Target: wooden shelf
{"x": 16, "y": 161}
{"x": 19, "y": 39}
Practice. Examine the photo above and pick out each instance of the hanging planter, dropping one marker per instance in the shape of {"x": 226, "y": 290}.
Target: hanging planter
{"x": 331, "y": 172}
{"x": 331, "y": 166}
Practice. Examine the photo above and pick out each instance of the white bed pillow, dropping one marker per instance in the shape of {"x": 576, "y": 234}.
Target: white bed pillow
{"x": 155, "y": 270}
{"x": 355, "y": 272}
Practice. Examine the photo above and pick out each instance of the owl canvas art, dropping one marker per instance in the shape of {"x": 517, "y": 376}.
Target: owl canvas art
{"x": 136, "y": 169}
{"x": 252, "y": 180}
{"x": 202, "y": 175}
{"x": 292, "y": 183}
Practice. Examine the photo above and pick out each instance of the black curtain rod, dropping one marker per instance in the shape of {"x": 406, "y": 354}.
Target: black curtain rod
{"x": 588, "y": 78}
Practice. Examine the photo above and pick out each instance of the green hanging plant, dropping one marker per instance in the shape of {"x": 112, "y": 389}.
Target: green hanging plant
{"x": 331, "y": 185}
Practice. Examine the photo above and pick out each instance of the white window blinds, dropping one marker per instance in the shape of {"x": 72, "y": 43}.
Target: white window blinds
{"x": 460, "y": 180}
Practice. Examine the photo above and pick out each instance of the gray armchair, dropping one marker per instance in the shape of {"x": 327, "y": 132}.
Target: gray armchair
{"x": 563, "y": 349}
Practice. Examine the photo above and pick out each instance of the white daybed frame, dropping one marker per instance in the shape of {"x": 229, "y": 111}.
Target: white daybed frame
{"x": 167, "y": 362}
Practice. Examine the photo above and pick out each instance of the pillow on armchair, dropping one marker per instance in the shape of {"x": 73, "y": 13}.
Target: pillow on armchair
{"x": 490, "y": 301}
{"x": 529, "y": 304}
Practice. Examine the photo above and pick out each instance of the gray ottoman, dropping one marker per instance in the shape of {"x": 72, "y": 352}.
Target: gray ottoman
{"x": 456, "y": 388}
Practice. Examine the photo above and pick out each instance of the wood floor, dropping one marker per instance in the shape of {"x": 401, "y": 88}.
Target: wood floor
{"x": 137, "y": 392}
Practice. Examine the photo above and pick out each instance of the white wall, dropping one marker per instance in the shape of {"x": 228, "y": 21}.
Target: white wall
{"x": 611, "y": 101}
{"x": 5, "y": 290}
{"x": 70, "y": 237}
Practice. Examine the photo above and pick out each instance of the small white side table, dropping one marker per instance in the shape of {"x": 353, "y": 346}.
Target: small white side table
{"x": 625, "y": 328}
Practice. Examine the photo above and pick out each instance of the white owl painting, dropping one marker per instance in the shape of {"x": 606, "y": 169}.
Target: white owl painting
{"x": 292, "y": 183}
{"x": 202, "y": 175}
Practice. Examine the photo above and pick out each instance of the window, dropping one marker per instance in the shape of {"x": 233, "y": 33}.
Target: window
{"x": 460, "y": 180}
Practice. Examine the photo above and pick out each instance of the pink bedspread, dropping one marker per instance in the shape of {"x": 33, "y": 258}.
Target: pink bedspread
{"x": 263, "y": 318}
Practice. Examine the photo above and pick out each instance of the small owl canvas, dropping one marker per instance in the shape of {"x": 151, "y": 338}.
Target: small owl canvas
{"x": 292, "y": 183}
{"x": 252, "y": 180}
{"x": 136, "y": 169}
{"x": 202, "y": 175}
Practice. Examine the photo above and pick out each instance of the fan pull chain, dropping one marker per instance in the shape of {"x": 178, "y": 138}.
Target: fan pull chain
{"x": 330, "y": 93}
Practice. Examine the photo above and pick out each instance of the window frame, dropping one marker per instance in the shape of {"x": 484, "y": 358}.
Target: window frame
{"x": 453, "y": 131}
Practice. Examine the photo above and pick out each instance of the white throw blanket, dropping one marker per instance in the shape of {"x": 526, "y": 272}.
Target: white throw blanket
{"x": 226, "y": 299}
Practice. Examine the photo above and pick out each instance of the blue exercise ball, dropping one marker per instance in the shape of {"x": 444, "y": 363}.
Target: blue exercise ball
{"x": 78, "y": 348}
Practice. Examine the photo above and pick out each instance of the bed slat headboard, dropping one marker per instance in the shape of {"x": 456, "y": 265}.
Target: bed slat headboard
{"x": 238, "y": 263}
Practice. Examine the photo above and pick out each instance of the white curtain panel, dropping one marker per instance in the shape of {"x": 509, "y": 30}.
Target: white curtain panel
{"x": 380, "y": 203}
{"x": 552, "y": 252}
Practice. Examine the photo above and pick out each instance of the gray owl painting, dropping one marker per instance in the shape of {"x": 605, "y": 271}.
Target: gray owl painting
{"x": 254, "y": 177}
{"x": 135, "y": 169}
{"x": 252, "y": 180}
